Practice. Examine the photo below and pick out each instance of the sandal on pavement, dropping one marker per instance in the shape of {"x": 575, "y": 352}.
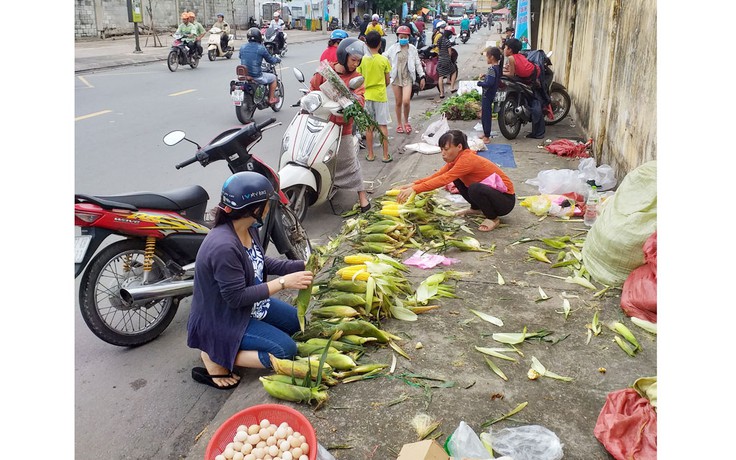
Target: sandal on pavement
{"x": 389, "y": 159}
{"x": 407, "y": 128}
{"x": 400, "y": 129}
{"x": 488, "y": 225}
{"x": 365, "y": 208}
{"x": 201, "y": 375}
{"x": 367, "y": 158}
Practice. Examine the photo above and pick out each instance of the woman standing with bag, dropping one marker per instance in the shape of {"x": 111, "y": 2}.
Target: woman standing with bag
{"x": 405, "y": 68}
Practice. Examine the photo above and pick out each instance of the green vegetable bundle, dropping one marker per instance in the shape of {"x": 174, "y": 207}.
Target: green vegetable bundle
{"x": 463, "y": 107}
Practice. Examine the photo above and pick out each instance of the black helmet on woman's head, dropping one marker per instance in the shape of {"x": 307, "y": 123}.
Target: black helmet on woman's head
{"x": 245, "y": 189}
{"x": 254, "y": 35}
{"x": 351, "y": 47}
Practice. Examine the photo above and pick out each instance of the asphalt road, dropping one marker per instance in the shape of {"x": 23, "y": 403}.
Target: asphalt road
{"x": 140, "y": 403}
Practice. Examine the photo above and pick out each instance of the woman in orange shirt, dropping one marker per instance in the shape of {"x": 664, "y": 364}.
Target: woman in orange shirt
{"x": 472, "y": 174}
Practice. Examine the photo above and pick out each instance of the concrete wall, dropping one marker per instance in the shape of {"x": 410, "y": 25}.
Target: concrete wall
{"x": 605, "y": 54}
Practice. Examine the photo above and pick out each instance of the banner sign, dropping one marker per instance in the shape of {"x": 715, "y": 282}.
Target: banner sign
{"x": 523, "y": 24}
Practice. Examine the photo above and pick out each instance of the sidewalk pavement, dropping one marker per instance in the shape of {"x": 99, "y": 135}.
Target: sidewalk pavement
{"x": 373, "y": 419}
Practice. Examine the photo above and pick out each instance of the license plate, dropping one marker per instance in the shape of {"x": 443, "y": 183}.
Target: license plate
{"x": 81, "y": 243}
{"x": 238, "y": 96}
{"x": 500, "y": 96}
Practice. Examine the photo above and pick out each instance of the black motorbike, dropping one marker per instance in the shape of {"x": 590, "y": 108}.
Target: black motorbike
{"x": 248, "y": 95}
{"x": 514, "y": 97}
{"x": 274, "y": 40}
{"x": 464, "y": 35}
{"x": 182, "y": 54}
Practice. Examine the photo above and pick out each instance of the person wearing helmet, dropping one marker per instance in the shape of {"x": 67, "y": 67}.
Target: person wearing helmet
{"x": 330, "y": 54}
{"x": 439, "y": 30}
{"x": 364, "y": 25}
{"x": 234, "y": 319}
{"x": 188, "y": 31}
{"x": 465, "y": 24}
{"x": 278, "y": 24}
{"x": 199, "y": 31}
{"x": 413, "y": 31}
{"x": 405, "y": 69}
{"x": 419, "y": 24}
{"x": 252, "y": 55}
{"x": 376, "y": 26}
{"x": 225, "y": 28}
{"x": 446, "y": 68}
{"x": 348, "y": 175}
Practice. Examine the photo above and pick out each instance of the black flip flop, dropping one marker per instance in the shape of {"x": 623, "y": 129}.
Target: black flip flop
{"x": 201, "y": 375}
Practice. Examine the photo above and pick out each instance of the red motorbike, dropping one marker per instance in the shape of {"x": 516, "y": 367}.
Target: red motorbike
{"x": 130, "y": 290}
{"x": 429, "y": 60}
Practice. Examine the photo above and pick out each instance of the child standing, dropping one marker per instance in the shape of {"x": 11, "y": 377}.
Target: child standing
{"x": 490, "y": 85}
{"x": 376, "y": 70}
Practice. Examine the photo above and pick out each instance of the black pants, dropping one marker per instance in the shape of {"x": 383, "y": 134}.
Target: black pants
{"x": 490, "y": 201}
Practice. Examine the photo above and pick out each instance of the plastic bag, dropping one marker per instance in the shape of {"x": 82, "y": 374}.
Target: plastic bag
{"x": 559, "y": 181}
{"x": 530, "y": 442}
{"x": 435, "y": 130}
{"x": 554, "y": 205}
{"x": 324, "y": 454}
{"x": 603, "y": 175}
{"x": 627, "y": 426}
{"x": 476, "y": 144}
{"x": 466, "y": 86}
{"x": 465, "y": 443}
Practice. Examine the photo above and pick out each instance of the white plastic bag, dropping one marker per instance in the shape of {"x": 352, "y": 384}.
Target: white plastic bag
{"x": 435, "y": 130}
{"x": 603, "y": 175}
{"x": 465, "y": 443}
{"x": 323, "y": 454}
{"x": 423, "y": 148}
{"x": 530, "y": 442}
{"x": 559, "y": 182}
{"x": 466, "y": 86}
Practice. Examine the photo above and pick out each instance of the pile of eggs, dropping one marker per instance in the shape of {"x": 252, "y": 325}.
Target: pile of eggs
{"x": 266, "y": 441}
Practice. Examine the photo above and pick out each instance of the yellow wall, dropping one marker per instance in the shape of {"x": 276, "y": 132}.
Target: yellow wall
{"x": 605, "y": 55}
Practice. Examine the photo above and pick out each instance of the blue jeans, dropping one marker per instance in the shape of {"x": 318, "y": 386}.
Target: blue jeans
{"x": 272, "y": 334}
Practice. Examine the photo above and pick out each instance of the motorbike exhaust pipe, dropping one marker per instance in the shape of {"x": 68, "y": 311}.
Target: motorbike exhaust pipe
{"x": 157, "y": 291}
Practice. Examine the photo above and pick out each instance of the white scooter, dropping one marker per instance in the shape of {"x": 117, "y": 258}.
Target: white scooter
{"x": 309, "y": 150}
{"x": 214, "y": 47}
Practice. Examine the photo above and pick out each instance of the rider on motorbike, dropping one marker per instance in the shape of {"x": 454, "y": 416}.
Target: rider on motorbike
{"x": 330, "y": 54}
{"x": 465, "y": 23}
{"x": 225, "y": 28}
{"x": 252, "y": 55}
{"x": 191, "y": 34}
{"x": 278, "y": 24}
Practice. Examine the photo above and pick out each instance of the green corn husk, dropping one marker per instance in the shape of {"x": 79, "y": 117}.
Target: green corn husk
{"x": 376, "y": 248}
{"x": 539, "y": 254}
{"x": 495, "y": 354}
{"x": 487, "y": 317}
{"x": 378, "y": 238}
{"x": 338, "y": 361}
{"x": 625, "y": 346}
{"x": 620, "y": 328}
{"x": 305, "y": 348}
{"x": 516, "y": 410}
{"x": 541, "y": 370}
{"x": 335, "y": 311}
{"x": 359, "y": 370}
{"x": 305, "y": 295}
{"x": 497, "y": 370}
{"x": 357, "y": 286}
{"x": 646, "y": 325}
{"x": 381, "y": 228}
{"x": 356, "y": 339}
{"x": 366, "y": 376}
{"x": 337, "y": 344}
{"x": 297, "y": 368}
{"x": 349, "y": 299}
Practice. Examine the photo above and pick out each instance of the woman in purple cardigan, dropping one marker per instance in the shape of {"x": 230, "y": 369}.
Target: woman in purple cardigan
{"x": 234, "y": 321}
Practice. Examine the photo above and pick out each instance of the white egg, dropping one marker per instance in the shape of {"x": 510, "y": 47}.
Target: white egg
{"x": 304, "y": 457}
{"x": 284, "y": 446}
{"x": 238, "y": 456}
{"x": 254, "y": 439}
{"x": 280, "y": 433}
{"x": 241, "y": 435}
{"x": 267, "y": 457}
{"x": 264, "y": 434}
{"x": 272, "y": 429}
{"x": 297, "y": 452}
{"x": 289, "y": 431}
{"x": 271, "y": 441}
{"x": 284, "y": 425}
{"x": 228, "y": 453}
{"x": 254, "y": 429}
{"x": 220, "y": 457}
{"x": 237, "y": 446}
{"x": 242, "y": 428}
{"x": 273, "y": 451}
{"x": 249, "y": 457}
{"x": 261, "y": 444}
{"x": 258, "y": 452}
{"x": 295, "y": 441}
{"x": 297, "y": 434}
{"x": 305, "y": 447}
{"x": 247, "y": 448}
{"x": 230, "y": 446}
{"x": 265, "y": 423}
{"x": 286, "y": 456}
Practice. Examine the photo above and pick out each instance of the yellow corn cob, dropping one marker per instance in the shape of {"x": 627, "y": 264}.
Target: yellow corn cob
{"x": 355, "y": 259}
{"x": 389, "y": 203}
{"x": 297, "y": 368}
{"x": 337, "y": 361}
{"x": 352, "y": 268}
{"x": 390, "y": 212}
{"x": 288, "y": 392}
{"x": 360, "y": 275}
{"x": 335, "y": 311}
{"x": 392, "y": 192}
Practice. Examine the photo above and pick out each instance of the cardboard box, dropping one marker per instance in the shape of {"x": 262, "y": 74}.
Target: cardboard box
{"x": 423, "y": 450}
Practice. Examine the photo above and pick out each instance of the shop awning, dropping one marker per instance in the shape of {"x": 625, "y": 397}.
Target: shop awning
{"x": 502, "y": 11}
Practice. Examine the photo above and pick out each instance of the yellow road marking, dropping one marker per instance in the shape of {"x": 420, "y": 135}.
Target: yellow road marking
{"x": 84, "y": 80}
{"x": 183, "y": 92}
{"x": 102, "y": 112}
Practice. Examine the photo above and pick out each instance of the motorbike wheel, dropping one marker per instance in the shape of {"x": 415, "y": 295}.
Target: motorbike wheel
{"x": 245, "y": 110}
{"x": 298, "y": 241}
{"x": 229, "y": 54}
{"x": 173, "y": 61}
{"x": 194, "y": 61}
{"x": 297, "y": 196}
{"x": 118, "y": 266}
{"x": 560, "y": 101}
{"x": 508, "y": 122}
{"x": 212, "y": 54}
{"x": 279, "y": 94}
{"x": 283, "y": 51}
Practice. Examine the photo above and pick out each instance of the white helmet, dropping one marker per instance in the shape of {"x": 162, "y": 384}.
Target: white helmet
{"x": 465, "y": 16}
{"x": 375, "y": 17}
{"x": 276, "y": 14}
{"x": 441, "y": 24}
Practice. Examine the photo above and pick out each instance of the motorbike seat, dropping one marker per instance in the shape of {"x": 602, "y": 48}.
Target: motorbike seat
{"x": 242, "y": 72}
{"x": 172, "y": 200}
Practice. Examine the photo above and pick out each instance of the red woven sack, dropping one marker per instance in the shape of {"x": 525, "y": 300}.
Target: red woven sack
{"x": 639, "y": 293}
{"x": 568, "y": 148}
{"x": 627, "y": 426}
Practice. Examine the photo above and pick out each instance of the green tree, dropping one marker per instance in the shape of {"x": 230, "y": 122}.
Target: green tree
{"x": 511, "y": 5}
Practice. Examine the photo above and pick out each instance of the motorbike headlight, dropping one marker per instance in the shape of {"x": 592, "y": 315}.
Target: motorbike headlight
{"x": 285, "y": 143}
{"x": 311, "y": 102}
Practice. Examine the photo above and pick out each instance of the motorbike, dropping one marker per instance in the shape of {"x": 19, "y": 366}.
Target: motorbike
{"x": 429, "y": 60}
{"x": 464, "y": 35}
{"x": 333, "y": 24}
{"x": 130, "y": 290}
{"x": 514, "y": 97}
{"x": 270, "y": 35}
{"x": 309, "y": 150}
{"x": 248, "y": 95}
{"x": 181, "y": 54}
{"x": 214, "y": 45}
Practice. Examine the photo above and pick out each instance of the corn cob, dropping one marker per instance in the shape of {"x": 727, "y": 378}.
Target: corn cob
{"x": 335, "y": 311}
{"x": 295, "y": 381}
{"x": 340, "y": 284}
{"x": 358, "y": 370}
{"x": 381, "y": 228}
{"x": 297, "y": 368}
{"x": 390, "y": 212}
{"x": 306, "y": 348}
{"x": 355, "y": 339}
{"x": 355, "y": 259}
{"x": 359, "y": 327}
{"x": 620, "y": 328}
{"x": 380, "y": 248}
{"x": 392, "y": 192}
{"x": 359, "y": 275}
{"x": 294, "y": 393}
{"x": 351, "y": 269}
{"x": 379, "y": 238}
{"x": 337, "y": 361}
{"x": 625, "y": 346}
{"x": 351, "y": 300}
{"x": 338, "y": 345}
{"x": 389, "y": 203}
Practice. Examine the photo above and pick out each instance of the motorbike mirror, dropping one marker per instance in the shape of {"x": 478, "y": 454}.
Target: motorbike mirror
{"x": 356, "y": 82}
{"x": 549, "y": 54}
{"x": 299, "y": 75}
{"x": 174, "y": 137}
